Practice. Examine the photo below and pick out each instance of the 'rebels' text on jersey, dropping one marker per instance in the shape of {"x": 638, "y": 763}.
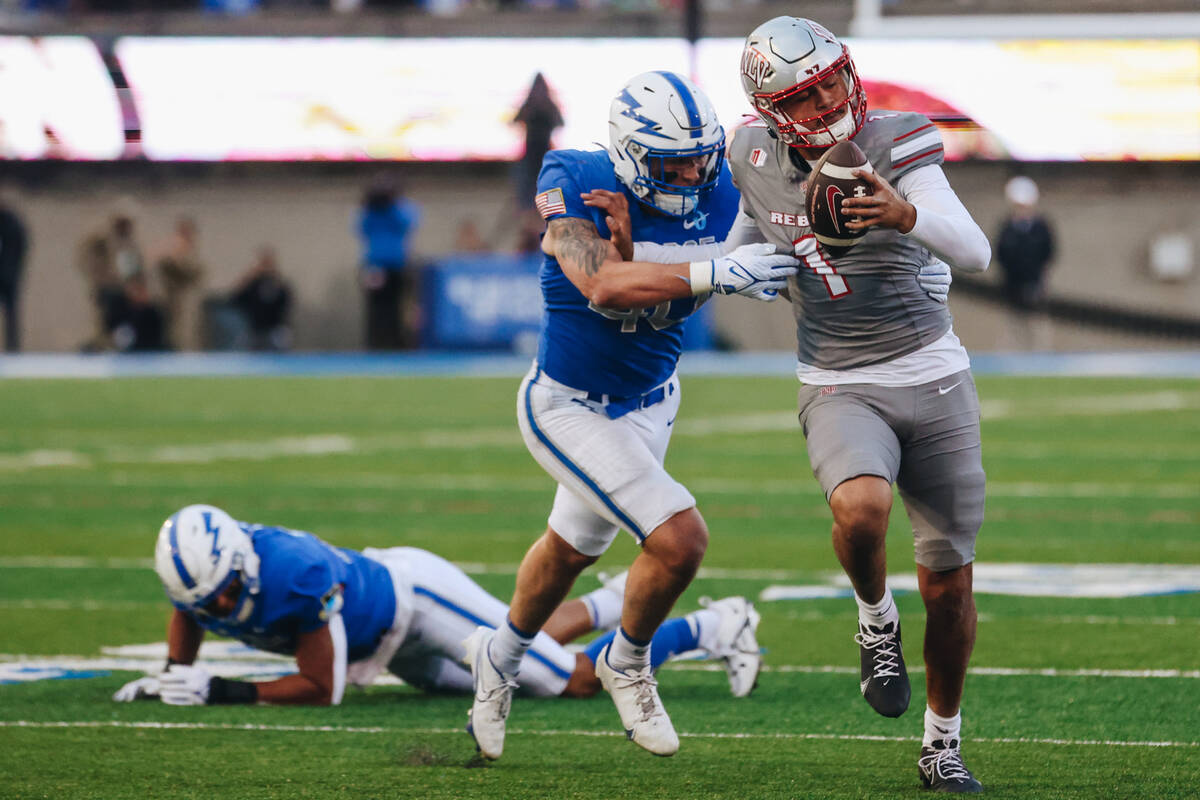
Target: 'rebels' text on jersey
{"x": 864, "y": 306}
{"x": 622, "y": 352}
{"x": 303, "y": 582}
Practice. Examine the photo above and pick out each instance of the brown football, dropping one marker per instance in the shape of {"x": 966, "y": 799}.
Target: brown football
{"x": 830, "y": 182}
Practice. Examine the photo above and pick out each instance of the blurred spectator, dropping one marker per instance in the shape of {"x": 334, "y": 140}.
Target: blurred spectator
{"x": 136, "y": 323}
{"x": 1024, "y": 250}
{"x": 230, "y": 6}
{"x": 180, "y": 270}
{"x": 386, "y": 223}
{"x": 468, "y": 239}
{"x": 541, "y": 117}
{"x": 13, "y": 244}
{"x": 265, "y": 299}
{"x": 108, "y": 258}
{"x": 530, "y": 227}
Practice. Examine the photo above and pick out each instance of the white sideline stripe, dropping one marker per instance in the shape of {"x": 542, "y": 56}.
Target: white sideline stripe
{"x": 336, "y": 443}
{"x": 259, "y": 663}
{"x": 73, "y": 605}
{"x": 845, "y": 737}
{"x": 800, "y": 487}
{"x": 1007, "y": 672}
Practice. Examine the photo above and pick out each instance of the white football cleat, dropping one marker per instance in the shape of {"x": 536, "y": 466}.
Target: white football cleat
{"x": 736, "y": 643}
{"x": 493, "y": 696}
{"x": 642, "y": 714}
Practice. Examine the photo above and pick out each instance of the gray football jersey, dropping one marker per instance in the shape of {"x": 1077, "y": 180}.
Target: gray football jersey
{"x": 863, "y": 307}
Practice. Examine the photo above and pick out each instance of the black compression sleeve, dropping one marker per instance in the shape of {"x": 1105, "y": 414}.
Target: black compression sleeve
{"x": 222, "y": 691}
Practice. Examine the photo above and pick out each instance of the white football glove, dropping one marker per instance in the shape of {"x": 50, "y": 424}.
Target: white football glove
{"x": 753, "y": 270}
{"x": 146, "y": 688}
{"x": 935, "y": 279}
{"x": 183, "y": 685}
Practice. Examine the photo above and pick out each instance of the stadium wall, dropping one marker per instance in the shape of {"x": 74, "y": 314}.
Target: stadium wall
{"x": 1106, "y": 216}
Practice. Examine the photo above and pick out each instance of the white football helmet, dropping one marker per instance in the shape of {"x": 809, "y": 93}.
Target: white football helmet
{"x": 657, "y": 116}
{"x": 785, "y": 56}
{"x": 200, "y": 550}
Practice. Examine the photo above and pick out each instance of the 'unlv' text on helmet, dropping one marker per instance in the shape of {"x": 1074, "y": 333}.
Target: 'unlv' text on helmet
{"x": 786, "y": 57}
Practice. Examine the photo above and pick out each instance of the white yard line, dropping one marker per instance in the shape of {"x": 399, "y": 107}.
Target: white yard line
{"x": 1008, "y": 672}
{"x": 203, "y": 726}
{"x": 258, "y": 663}
{"x": 800, "y": 487}
{"x": 74, "y": 605}
{"x": 325, "y": 444}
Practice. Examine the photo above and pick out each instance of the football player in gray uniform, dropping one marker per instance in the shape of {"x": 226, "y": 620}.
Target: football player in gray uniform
{"x": 887, "y": 394}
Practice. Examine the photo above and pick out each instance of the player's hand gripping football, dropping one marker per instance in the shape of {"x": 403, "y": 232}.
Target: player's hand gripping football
{"x": 753, "y": 270}
{"x": 184, "y": 685}
{"x": 885, "y": 208}
{"x": 616, "y": 207}
{"x": 146, "y": 688}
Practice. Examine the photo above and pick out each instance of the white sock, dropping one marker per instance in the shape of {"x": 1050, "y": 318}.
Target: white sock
{"x": 508, "y": 647}
{"x": 943, "y": 728}
{"x": 603, "y": 607}
{"x": 877, "y": 614}
{"x": 704, "y": 624}
{"x": 625, "y": 655}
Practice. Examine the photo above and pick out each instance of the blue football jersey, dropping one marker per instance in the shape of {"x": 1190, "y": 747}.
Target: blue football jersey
{"x": 624, "y": 352}
{"x": 303, "y": 581}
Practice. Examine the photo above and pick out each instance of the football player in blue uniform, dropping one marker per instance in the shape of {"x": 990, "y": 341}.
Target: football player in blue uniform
{"x": 347, "y": 616}
{"x": 597, "y": 406}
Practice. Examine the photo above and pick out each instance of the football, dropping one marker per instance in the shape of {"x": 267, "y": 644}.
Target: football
{"x": 831, "y": 181}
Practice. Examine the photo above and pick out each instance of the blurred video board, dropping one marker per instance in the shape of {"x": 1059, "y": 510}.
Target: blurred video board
{"x": 57, "y": 101}
{"x": 274, "y": 99}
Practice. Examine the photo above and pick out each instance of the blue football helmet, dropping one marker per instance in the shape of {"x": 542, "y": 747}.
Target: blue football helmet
{"x": 200, "y": 550}
{"x": 658, "y": 116}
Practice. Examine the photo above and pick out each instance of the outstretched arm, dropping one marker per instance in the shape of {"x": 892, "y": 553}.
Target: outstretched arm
{"x": 744, "y": 231}
{"x": 596, "y": 268}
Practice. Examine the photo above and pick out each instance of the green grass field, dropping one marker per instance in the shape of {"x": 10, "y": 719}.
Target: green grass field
{"x": 1081, "y": 471}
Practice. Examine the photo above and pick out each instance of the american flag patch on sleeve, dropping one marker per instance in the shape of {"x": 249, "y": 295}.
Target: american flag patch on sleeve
{"x": 550, "y": 202}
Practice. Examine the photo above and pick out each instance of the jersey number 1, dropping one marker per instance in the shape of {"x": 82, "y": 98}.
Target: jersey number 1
{"x": 805, "y": 249}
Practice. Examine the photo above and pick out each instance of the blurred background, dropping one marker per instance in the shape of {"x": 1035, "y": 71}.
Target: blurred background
{"x": 344, "y": 175}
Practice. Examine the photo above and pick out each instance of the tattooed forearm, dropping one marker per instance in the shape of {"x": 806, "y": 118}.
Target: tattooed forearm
{"x": 577, "y": 241}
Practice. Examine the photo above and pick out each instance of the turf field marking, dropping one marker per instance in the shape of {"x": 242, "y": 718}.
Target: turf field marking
{"x": 75, "y": 605}
{"x": 798, "y": 488}
{"x": 237, "y": 661}
{"x": 339, "y": 444}
{"x": 843, "y": 737}
{"x": 1007, "y": 672}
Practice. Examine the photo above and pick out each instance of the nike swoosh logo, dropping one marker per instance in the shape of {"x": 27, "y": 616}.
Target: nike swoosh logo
{"x": 948, "y": 388}
{"x": 670, "y": 422}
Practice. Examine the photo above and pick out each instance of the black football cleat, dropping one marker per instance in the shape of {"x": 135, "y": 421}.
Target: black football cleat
{"x": 884, "y": 678}
{"x": 942, "y": 768}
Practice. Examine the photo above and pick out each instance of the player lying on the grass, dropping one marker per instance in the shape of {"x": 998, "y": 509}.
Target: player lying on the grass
{"x": 347, "y": 616}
